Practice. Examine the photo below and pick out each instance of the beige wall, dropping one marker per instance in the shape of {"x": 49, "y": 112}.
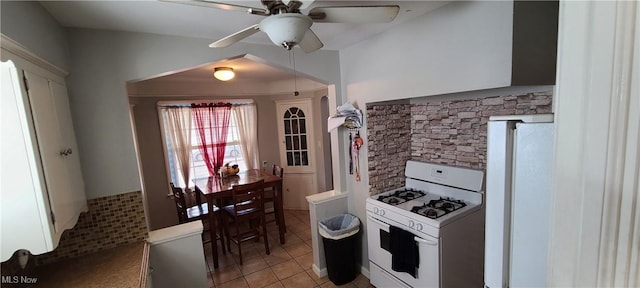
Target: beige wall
{"x": 160, "y": 207}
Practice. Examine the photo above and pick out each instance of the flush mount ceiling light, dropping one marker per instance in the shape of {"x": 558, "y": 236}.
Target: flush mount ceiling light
{"x": 224, "y": 73}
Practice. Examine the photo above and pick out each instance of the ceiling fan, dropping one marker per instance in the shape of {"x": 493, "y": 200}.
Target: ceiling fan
{"x": 286, "y": 26}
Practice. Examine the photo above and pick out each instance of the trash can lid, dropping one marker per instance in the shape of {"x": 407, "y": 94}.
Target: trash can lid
{"x": 340, "y": 226}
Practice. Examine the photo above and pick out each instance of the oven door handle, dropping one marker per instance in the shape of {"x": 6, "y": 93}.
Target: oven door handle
{"x": 379, "y": 222}
{"x": 420, "y": 240}
{"x": 416, "y": 238}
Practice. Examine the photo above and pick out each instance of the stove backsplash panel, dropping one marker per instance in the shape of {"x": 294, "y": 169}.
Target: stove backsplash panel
{"x": 389, "y": 144}
{"x": 450, "y": 132}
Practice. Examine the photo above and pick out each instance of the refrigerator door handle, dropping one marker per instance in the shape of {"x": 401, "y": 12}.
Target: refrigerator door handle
{"x": 385, "y": 225}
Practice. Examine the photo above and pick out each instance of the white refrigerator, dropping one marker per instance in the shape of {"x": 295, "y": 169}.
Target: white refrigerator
{"x": 518, "y": 192}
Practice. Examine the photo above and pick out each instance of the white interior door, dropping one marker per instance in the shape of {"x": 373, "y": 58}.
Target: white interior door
{"x": 297, "y": 153}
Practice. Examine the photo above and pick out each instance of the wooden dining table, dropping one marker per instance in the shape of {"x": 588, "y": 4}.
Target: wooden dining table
{"x": 216, "y": 188}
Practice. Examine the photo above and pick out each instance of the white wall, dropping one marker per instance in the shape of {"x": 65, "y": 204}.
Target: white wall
{"x": 29, "y": 24}
{"x": 102, "y": 61}
{"x": 463, "y": 46}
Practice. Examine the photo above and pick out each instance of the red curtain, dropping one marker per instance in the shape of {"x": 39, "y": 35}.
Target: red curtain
{"x": 212, "y": 123}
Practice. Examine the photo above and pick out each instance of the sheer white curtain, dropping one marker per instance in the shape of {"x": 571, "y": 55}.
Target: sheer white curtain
{"x": 178, "y": 126}
{"x": 247, "y": 121}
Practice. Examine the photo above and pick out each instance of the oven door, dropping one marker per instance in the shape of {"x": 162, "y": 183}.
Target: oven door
{"x": 378, "y": 239}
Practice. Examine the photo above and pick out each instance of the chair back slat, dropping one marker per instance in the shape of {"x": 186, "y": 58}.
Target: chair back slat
{"x": 199, "y": 202}
{"x": 181, "y": 203}
{"x": 277, "y": 170}
{"x": 197, "y": 193}
{"x": 248, "y": 197}
{"x": 247, "y": 207}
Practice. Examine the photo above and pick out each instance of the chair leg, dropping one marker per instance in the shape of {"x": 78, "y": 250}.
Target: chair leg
{"x": 226, "y": 231}
{"x": 276, "y": 214}
{"x": 221, "y": 231}
{"x": 264, "y": 233}
{"x": 255, "y": 228}
{"x": 239, "y": 241}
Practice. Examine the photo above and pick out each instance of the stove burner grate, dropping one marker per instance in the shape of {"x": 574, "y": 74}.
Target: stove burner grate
{"x": 437, "y": 208}
{"x": 401, "y": 196}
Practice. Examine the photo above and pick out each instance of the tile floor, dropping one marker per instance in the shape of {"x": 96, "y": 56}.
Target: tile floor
{"x": 288, "y": 265}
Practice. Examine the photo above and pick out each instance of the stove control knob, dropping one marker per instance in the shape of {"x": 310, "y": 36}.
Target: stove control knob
{"x": 411, "y": 223}
{"x": 419, "y": 227}
{"x": 381, "y": 212}
{"x": 376, "y": 210}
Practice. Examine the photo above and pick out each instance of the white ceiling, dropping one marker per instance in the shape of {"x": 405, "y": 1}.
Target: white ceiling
{"x": 254, "y": 76}
{"x": 202, "y": 22}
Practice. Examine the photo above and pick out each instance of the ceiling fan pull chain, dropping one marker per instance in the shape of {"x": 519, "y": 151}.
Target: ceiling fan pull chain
{"x": 292, "y": 55}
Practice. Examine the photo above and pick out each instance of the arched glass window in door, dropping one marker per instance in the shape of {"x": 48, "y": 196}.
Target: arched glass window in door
{"x": 295, "y": 137}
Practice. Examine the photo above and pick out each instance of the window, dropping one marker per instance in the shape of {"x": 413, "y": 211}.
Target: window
{"x": 198, "y": 168}
{"x": 295, "y": 137}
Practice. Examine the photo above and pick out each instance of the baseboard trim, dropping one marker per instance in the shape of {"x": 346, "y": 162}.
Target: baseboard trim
{"x": 323, "y": 272}
{"x": 320, "y": 272}
{"x": 365, "y": 272}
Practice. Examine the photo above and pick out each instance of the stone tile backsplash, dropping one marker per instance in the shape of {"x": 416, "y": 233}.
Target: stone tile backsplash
{"x": 111, "y": 221}
{"x": 446, "y": 132}
{"x": 389, "y": 143}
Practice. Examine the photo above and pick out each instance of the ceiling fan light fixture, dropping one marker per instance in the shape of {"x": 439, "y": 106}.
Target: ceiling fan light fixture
{"x": 286, "y": 29}
{"x": 224, "y": 73}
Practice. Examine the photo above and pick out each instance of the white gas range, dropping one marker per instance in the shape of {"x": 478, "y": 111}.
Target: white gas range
{"x": 429, "y": 233}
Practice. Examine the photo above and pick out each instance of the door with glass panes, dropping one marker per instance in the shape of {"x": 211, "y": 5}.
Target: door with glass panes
{"x": 297, "y": 154}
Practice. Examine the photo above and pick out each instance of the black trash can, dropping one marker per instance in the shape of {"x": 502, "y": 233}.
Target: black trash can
{"x": 339, "y": 236}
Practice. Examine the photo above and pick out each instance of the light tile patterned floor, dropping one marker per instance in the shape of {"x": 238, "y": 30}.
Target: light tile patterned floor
{"x": 288, "y": 265}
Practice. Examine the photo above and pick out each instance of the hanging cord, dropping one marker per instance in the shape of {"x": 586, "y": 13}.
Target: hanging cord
{"x": 292, "y": 60}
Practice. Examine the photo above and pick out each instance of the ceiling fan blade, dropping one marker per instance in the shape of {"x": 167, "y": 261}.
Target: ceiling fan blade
{"x": 221, "y": 6}
{"x": 294, "y": 5}
{"x": 235, "y": 37}
{"x": 358, "y": 14}
{"x": 310, "y": 42}
{"x": 304, "y": 4}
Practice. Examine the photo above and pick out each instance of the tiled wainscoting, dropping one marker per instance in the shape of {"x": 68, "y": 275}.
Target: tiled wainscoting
{"x": 111, "y": 221}
{"x": 446, "y": 132}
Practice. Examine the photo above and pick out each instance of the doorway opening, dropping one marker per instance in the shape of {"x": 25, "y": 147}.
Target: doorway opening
{"x": 257, "y": 80}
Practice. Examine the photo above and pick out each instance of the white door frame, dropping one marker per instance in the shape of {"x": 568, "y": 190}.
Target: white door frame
{"x": 595, "y": 236}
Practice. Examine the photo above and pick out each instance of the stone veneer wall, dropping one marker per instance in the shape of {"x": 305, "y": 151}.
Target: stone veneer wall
{"x": 389, "y": 143}
{"x": 446, "y": 132}
{"x": 455, "y": 132}
{"x": 111, "y": 221}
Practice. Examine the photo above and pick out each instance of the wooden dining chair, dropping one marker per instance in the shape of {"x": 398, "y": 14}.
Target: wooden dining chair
{"x": 194, "y": 213}
{"x": 246, "y": 207}
{"x": 270, "y": 194}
